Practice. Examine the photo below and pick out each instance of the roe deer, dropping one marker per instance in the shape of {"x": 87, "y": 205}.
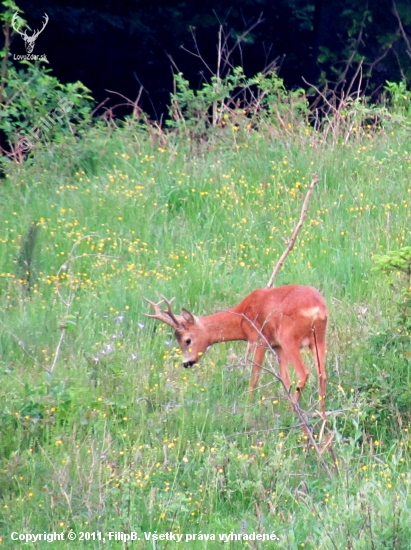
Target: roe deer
{"x": 285, "y": 318}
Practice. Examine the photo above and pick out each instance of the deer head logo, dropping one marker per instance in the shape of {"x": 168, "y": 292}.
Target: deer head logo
{"x": 29, "y": 41}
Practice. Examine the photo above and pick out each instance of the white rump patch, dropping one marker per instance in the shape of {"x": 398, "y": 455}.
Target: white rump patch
{"x": 313, "y": 313}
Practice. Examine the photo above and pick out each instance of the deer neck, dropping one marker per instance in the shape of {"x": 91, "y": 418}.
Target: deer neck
{"x": 223, "y": 327}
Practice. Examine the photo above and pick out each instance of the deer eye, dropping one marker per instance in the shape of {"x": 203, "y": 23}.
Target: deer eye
{"x": 188, "y": 341}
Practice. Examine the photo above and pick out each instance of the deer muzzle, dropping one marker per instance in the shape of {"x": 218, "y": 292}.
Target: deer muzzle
{"x": 187, "y": 364}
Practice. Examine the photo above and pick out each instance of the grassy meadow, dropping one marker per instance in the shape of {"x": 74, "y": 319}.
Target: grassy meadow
{"x": 103, "y": 430}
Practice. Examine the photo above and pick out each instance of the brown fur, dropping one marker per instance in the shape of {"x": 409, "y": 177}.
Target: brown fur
{"x": 286, "y": 319}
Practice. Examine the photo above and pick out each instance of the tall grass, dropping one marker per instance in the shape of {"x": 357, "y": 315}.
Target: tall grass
{"x": 119, "y": 437}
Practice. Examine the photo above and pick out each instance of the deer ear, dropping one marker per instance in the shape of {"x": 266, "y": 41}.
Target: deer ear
{"x": 189, "y": 317}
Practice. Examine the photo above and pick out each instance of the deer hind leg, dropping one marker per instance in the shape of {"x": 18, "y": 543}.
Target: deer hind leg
{"x": 317, "y": 347}
{"x": 291, "y": 351}
{"x": 257, "y": 358}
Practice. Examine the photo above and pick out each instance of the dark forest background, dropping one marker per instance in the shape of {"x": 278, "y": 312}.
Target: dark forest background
{"x": 133, "y": 47}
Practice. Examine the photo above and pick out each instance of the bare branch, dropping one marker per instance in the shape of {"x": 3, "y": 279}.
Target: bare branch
{"x": 291, "y": 243}
{"x": 402, "y": 30}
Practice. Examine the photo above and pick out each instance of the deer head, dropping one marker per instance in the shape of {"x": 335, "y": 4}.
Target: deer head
{"x": 188, "y": 330}
{"x": 29, "y": 41}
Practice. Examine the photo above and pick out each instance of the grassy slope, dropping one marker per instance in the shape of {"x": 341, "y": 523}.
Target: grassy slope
{"x": 120, "y": 437}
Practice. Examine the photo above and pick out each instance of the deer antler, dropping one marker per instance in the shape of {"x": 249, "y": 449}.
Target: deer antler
{"x": 36, "y": 33}
{"x": 162, "y": 315}
{"x": 14, "y": 24}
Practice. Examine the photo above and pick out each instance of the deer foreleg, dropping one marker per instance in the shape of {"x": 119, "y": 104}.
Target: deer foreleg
{"x": 257, "y": 357}
{"x": 283, "y": 364}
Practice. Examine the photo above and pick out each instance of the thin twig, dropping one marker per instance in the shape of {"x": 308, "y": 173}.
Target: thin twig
{"x": 63, "y": 492}
{"x": 69, "y": 300}
{"x": 20, "y": 343}
{"x": 57, "y": 352}
{"x": 262, "y": 431}
{"x": 291, "y": 243}
{"x": 402, "y": 30}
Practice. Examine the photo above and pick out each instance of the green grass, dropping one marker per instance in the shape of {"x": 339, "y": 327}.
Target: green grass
{"x": 120, "y": 437}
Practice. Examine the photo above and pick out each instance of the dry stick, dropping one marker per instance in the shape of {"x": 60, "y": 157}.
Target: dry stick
{"x": 277, "y": 268}
{"x": 291, "y": 243}
{"x": 62, "y": 327}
